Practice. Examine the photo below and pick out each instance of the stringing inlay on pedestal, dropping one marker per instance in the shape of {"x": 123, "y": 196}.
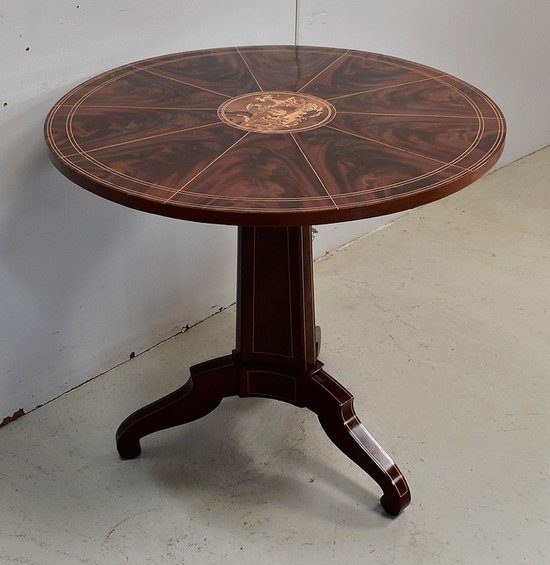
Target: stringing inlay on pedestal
{"x": 276, "y": 112}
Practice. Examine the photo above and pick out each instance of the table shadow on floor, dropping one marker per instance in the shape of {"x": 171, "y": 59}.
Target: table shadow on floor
{"x": 230, "y": 454}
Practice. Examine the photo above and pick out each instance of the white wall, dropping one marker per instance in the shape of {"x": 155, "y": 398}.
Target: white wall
{"x": 83, "y": 282}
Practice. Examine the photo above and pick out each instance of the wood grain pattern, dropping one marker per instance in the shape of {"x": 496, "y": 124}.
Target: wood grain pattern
{"x": 287, "y": 68}
{"x": 102, "y": 127}
{"x": 149, "y": 135}
{"x": 260, "y": 172}
{"x": 224, "y": 74}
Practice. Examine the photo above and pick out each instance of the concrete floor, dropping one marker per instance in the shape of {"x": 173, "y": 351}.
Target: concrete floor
{"x": 440, "y": 326}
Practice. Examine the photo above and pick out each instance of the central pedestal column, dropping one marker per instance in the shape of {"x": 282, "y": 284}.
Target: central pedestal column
{"x": 276, "y": 339}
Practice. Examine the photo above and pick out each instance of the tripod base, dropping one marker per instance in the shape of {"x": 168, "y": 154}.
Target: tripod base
{"x": 214, "y": 380}
{"x": 276, "y": 357}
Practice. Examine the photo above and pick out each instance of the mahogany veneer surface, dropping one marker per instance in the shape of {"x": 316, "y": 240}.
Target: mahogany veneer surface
{"x": 276, "y": 135}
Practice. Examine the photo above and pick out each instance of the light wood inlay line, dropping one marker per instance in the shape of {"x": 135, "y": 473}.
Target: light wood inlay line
{"x": 303, "y": 294}
{"x": 407, "y": 115}
{"x": 480, "y": 120}
{"x": 175, "y": 108}
{"x": 231, "y": 208}
{"x": 249, "y": 69}
{"x": 253, "y": 324}
{"x": 323, "y": 71}
{"x": 385, "y": 87}
{"x": 160, "y": 199}
{"x": 313, "y": 169}
{"x": 340, "y": 196}
{"x": 501, "y": 129}
{"x": 184, "y": 82}
{"x": 99, "y": 164}
{"x": 433, "y": 185}
{"x": 156, "y": 136}
{"x": 373, "y": 444}
{"x": 207, "y": 166}
{"x": 84, "y": 171}
{"x": 255, "y": 311}
{"x": 163, "y": 60}
{"x": 71, "y": 137}
{"x": 85, "y": 155}
{"x": 394, "y": 147}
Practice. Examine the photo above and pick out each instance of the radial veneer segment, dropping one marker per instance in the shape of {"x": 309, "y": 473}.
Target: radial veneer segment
{"x": 97, "y": 128}
{"x": 350, "y": 165}
{"x": 166, "y": 162}
{"x": 267, "y": 170}
{"x": 287, "y": 68}
{"x": 451, "y": 140}
{"x": 226, "y": 73}
{"x": 141, "y": 88}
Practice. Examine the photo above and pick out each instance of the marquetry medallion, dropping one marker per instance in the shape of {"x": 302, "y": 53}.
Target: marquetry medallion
{"x": 276, "y": 112}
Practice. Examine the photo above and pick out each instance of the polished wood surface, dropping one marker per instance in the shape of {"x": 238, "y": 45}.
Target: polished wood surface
{"x": 280, "y": 135}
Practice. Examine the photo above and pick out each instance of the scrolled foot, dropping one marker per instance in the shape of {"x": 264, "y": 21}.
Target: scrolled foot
{"x": 208, "y": 385}
{"x": 392, "y": 503}
{"x": 333, "y": 404}
{"x": 127, "y": 447}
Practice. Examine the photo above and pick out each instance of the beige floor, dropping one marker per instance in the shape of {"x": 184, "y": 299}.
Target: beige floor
{"x": 439, "y": 324}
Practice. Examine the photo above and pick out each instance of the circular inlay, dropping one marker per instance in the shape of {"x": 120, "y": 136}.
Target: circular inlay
{"x": 276, "y": 112}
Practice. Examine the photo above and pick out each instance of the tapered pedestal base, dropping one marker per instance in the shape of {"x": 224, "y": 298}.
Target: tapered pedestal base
{"x": 276, "y": 357}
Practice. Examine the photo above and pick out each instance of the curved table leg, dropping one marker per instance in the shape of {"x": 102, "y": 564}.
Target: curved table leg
{"x": 208, "y": 385}
{"x": 333, "y": 404}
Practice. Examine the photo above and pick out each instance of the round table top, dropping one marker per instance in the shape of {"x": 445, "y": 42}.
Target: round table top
{"x": 274, "y": 135}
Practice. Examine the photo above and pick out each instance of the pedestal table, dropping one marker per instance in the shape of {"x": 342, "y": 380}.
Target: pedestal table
{"x": 274, "y": 140}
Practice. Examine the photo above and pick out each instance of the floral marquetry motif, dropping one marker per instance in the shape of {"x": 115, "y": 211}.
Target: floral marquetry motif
{"x": 276, "y": 112}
